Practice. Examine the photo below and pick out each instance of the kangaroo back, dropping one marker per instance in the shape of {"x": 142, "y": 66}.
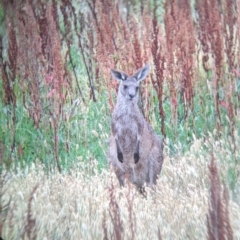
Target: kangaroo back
{"x": 135, "y": 150}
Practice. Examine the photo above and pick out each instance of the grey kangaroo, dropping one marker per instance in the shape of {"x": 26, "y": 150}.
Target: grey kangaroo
{"x": 136, "y": 151}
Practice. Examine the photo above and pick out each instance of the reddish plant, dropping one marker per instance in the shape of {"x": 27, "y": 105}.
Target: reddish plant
{"x": 218, "y": 222}
{"x": 180, "y": 44}
{"x": 119, "y": 42}
{"x": 38, "y": 58}
{"x": 114, "y": 212}
{"x": 30, "y": 224}
{"x": 210, "y": 35}
{"x": 159, "y": 60}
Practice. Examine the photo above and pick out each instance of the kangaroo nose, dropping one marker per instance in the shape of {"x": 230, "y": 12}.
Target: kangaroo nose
{"x": 131, "y": 95}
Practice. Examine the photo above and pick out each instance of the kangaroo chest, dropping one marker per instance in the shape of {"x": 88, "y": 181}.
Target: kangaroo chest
{"x": 128, "y": 127}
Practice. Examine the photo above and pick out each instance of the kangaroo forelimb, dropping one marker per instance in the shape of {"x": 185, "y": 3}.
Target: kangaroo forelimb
{"x": 136, "y": 153}
{"x": 119, "y": 152}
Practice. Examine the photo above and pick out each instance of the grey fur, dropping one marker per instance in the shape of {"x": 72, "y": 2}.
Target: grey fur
{"x": 135, "y": 151}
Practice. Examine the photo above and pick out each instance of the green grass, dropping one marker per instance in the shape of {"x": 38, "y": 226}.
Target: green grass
{"x": 83, "y": 133}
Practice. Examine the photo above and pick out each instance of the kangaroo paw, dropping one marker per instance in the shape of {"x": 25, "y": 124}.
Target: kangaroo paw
{"x": 136, "y": 157}
{"x": 136, "y": 153}
{"x": 119, "y": 152}
{"x": 120, "y": 156}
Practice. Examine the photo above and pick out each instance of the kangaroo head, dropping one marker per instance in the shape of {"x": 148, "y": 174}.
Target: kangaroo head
{"x": 129, "y": 85}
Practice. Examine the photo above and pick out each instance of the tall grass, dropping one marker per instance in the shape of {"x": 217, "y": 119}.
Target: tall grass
{"x": 82, "y": 136}
{"x": 89, "y": 204}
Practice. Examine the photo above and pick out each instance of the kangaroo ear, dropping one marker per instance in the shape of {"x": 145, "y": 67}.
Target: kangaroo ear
{"x": 142, "y": 73}
{"x": 119, "y": 75}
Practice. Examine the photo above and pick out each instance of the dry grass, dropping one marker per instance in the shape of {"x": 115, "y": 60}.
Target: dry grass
{"x": 90, "y": 205}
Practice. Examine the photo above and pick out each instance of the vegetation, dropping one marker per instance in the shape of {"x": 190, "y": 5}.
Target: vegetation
{"x": 88, "y": 204}
{"x": 56, "y": 101}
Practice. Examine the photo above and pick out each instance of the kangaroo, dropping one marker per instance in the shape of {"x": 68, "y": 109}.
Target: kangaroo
{"x": 135, "y": 150}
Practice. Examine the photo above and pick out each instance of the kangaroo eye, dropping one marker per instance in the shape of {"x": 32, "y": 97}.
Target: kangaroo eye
{"x": 125, "y": 87}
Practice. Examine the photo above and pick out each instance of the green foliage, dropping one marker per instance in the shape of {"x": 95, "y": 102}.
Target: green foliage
{"x": 88, "y": 133}
{"x": 83, "y": 136}
{"x": 199, "y": 122}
